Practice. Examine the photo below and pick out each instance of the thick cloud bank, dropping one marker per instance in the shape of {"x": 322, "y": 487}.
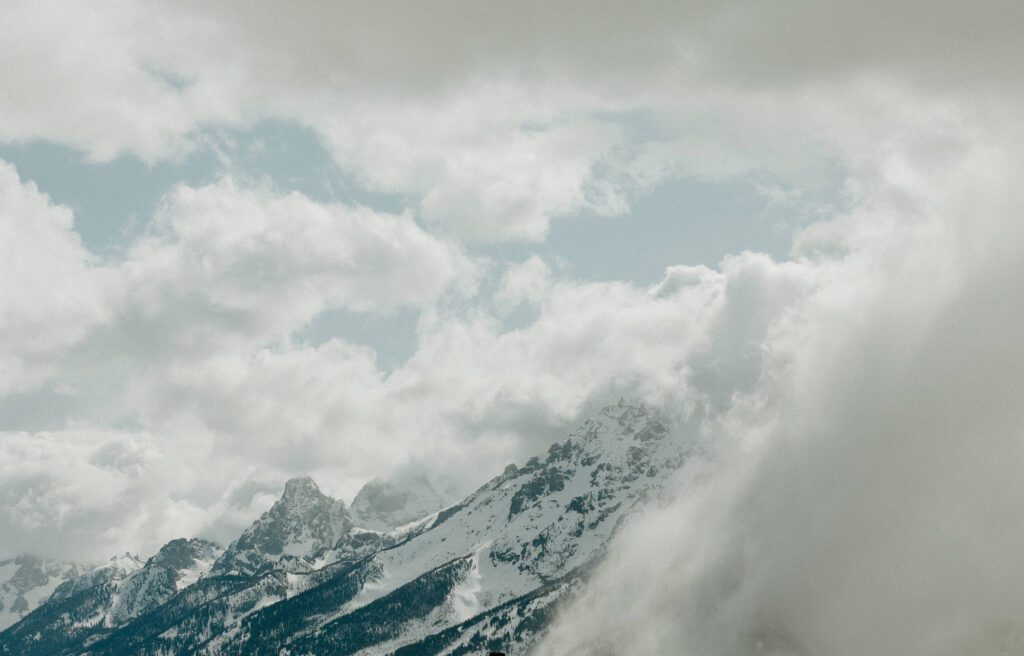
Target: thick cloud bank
{"x": 866, "y": 494}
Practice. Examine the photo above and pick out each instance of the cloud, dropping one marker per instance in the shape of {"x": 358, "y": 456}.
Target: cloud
{"x": 222, "y": 264}
{"x": 281, "y": 259}
{"x": 495, "y": 181}
{"x": 51, "y": 291}
{"x": 194, "y": 322}
{"x": 861, "y": 495}
{"x": 860, "y": 399}
{"x": 248, "y": 413}
{"x": 494, "y": 121}
{"x": 526, "y": 282}
{"x": 473, "y": 392}
{"x": 86, "y": 76}
{"x": 88, "y": 487}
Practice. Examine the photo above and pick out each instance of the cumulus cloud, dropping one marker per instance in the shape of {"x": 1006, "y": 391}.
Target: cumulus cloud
{"x": 186, "y": 353}
{"x": 474, "y": 391}
{"x": 51, "y": 292}
{"x": 222, "y": 264}
{"x": 526, "y": 282}
{"x": 280, "y": 260}
{"x": 86, "y": 76}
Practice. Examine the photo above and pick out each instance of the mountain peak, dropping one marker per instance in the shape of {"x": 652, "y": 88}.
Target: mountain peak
{"x": 301, "y": 523}
{"x": 183, "y": 553}
{"x": 301, "y": 487}
{"x": 384, "y": 505}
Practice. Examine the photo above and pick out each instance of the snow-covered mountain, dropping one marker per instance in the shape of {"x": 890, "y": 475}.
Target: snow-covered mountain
{"x": 116, "y": 568}
{"x": 85, "y": 608}
{"x": 484, "y": 573}
{"x": 27, "y": 581}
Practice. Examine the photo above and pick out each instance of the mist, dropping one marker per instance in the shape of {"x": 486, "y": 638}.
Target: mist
{"x": 863, "y": 494}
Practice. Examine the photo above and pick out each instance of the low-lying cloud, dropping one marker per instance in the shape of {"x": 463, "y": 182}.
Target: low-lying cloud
{"x": 865, "y": 494}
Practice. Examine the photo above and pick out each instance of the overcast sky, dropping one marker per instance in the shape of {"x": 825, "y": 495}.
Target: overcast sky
{"x": 358, "y": 240}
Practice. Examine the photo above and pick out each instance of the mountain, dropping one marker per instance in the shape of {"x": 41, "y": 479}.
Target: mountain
{"x": 27, "y": 581}
{"x": 385, "y": 505}
{"x": 303, "y": 522}
{"x": 83, "y": 609}
{"x": 116, "y": 568}
{"x": 485, "y": 573}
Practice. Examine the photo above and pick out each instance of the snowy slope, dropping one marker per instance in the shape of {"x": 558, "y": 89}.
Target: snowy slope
{"x": 553, "y": 514}
{"x": 116, "y": 568}
{"x": 288, "y": 549}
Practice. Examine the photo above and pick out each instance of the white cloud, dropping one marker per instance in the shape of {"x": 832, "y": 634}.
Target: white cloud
{"x": 85, "y": 76}
{"x": 182, "y": 335}
{"x": 89, "y": 488}
{"x": 475, "y": 396}
{"x": 226, "y": 269}
{"x": 282, "y": 259}
{"x": 526, "y": 282}
{"x": 51, "y": 292}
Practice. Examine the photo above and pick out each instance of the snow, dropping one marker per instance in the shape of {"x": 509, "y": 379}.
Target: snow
{"x": 465, "y": 597}
{"x": 199, "y": 568}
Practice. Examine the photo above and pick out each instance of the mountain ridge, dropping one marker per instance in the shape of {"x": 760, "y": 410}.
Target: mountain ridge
{"x": 303, "y": 578}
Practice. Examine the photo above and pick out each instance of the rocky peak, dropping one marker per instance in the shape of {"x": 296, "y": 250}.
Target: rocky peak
{"x": 115, "y": 569}
{"x": 184, "y": 554}
{"x": 303, "y": 522}
{"x": 301, "y": 489}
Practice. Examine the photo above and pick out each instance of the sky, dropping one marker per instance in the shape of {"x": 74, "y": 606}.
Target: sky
{"x": 358, "y": 241}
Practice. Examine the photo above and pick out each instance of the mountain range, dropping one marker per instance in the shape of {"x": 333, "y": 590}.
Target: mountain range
{"x": 387, "y": 576}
